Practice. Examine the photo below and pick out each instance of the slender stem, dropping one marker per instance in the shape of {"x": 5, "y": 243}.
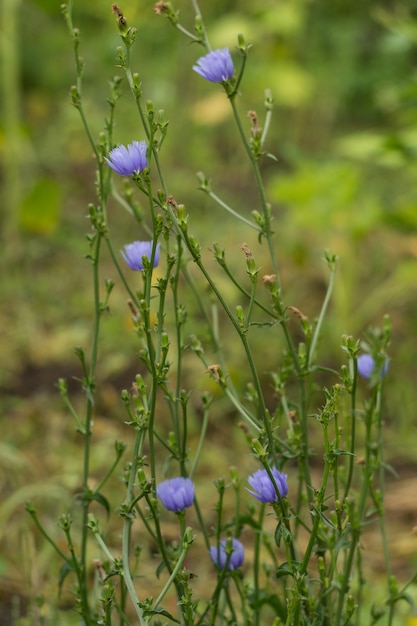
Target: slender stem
{"x": 280, "y": 305}
{"x": 202, "y": 28}
{"x": 359, "y": 514}
{"x": 116, "y": 263}
{"x": 246, "y": 293}
{"x": 108, "y": 473}
{"x": 41, "y": 529}
{"x": 268, "y": 118}
{"x": 179, "y": 352}
{"x": 322, "y": 314}
{"x": 381, "y": 500}
{"x": 103, "y": 546}
{"x": 127, "y": 524}
{"x": 173, "y": 575}
{"x": 229, "y": 209}
{"x": 241, "y": 409}
{"x": 200, "y": 441}
{"x": 202, "y": 523}
{"x": 263, "y": 410}
{"x": 126, "y": 571}
{"x": 257, "y": 559}
{"x": 352, "y": 428}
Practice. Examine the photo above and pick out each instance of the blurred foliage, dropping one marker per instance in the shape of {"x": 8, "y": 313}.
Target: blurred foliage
{"x": 344, "y": 78}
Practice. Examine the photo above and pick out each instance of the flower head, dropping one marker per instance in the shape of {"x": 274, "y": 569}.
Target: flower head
{"x": 264, "y": 489}
{"x": 220, "y": 554}
{"x": 134, "y": 252}
{"x": 176, "y": 494}
{"x": 215, "y": 66}
{"x": 366, "y": 366}
{"x": 129, "y": 160}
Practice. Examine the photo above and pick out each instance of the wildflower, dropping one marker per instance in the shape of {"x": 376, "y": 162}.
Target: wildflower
{"x": 221, "y": 554}
{"x": 366, "y": 366}
{"x": 215, "y": 66}
{"x": 176, "y": 494}
{"x": 129, "y": 160}
{"x": 264, "y": 489}
{"x": 134, "y": 252}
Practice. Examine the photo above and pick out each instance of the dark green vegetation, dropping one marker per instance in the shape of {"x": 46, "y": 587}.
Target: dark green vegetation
{"x": 343, "y": 76}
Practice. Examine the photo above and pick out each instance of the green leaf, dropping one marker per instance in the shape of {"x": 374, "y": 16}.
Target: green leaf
{"x": 66, "y": 568}
{"x": 281, "y": 533}
{"x": 98, "y": 497}
{"x": 147, "y": 613}
{"x": 270, "y": 599}
{"x": 289, "y": 568}
{"x": 319, "y": 511}
{"x": 159, "y": 569}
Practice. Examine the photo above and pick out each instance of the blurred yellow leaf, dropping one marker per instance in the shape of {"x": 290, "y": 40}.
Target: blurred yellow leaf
{"x": 39, "y": 210}
{"x": 290, "y": 84}
{"x": 211, "y": 110}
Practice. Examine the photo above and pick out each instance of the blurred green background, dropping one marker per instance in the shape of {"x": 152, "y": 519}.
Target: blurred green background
{"x": 343, "y": 76}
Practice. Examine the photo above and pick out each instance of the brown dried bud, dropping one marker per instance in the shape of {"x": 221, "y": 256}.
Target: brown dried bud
{"x": 100, "y": 570}
{"x": 269, "y": 279}
{"x": 297, "y": 312}
{"x": 247, "y": 252}
{"x": 171, "y": 201}
{"x": 243, "y": 427}
{"x": 255, "y": 125}
{"x": 161, "y": 7}
{"x": 214, "y": 371}
{"x": 133, "y": 310}
{"x": 120, "y": 17}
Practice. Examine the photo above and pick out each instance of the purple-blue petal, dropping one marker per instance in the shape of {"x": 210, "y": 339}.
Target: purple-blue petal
{"x": 263, "y": 489}
{"x": 134, "y": 252}
{"x": 128, "y": 160}
{"x": 219, "y": 554}
{"x": 215, "y": 66}
{"x": 176, "y": 494}
{"x": 366, "y": 366}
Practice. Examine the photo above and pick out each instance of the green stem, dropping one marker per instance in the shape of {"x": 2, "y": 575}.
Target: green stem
{"x": 173, "y": 576}
{"x": 103, "y": 546}
{"x": 108, "y": 473}
{"x": 199, "y": 18}
{"x": 357, "y": 522}
{"x": 229, "y": 209}
{"x": 32, "y": 513}
{"x": 256, "y": 560}
{"x": 322, "y": 314}
{"x": 178, "y": 330}
{"x": 381, "y": 500}
{"x": 268, "y": 116}
{"x": 352, "y": 428}
{"x": 200, "y": 441}
{"x": 126, "y": 570}
{"x": 127, "y": 524}
{"x": 244, "y": 291}
{"x": 243, "y": 338}
{"x": 280, "y": 305}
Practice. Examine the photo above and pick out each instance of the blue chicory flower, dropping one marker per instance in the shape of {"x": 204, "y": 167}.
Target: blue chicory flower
{"x": 220, "y": 557}
{"x": 264, "y": 489}
{"x": 134, "y": 252}
{"x": 129, "y": 160}
{"x": 176, "y": 494}
{"x": 215, "y": 66}
{"x": 366, "y": 366}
